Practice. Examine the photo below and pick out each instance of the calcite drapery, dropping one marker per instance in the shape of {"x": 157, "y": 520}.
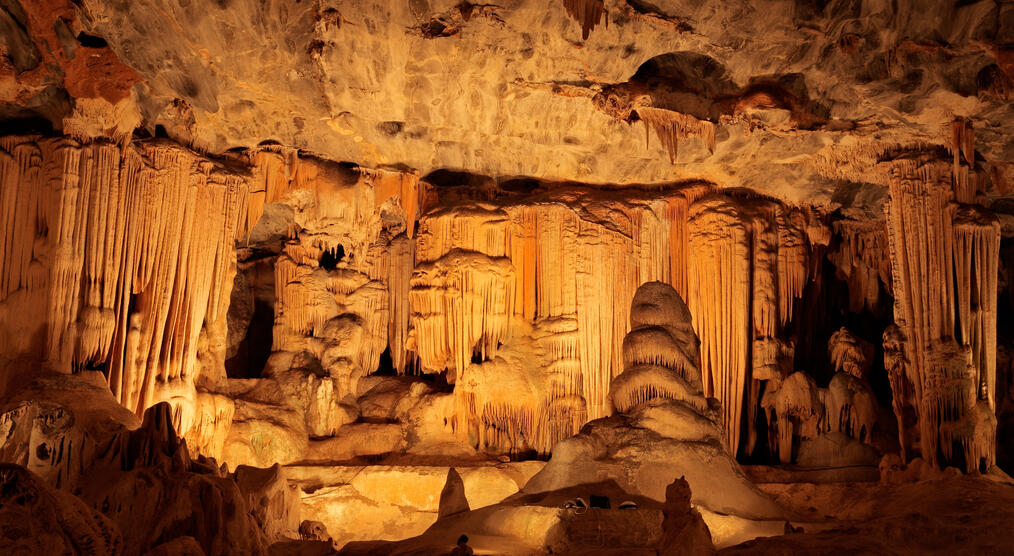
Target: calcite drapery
{"x": 944, "y": 256}
{"x": 749, "y": 262}
{"x": 118, "y": 259}
{"x": 576, "y": 250}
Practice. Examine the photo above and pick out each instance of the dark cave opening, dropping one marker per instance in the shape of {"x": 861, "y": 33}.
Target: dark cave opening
{"x": 386, "y": 365}
{"x": 823, "y": 309}
{"x": 330, "y": 258}
{"x": 255, "y": 347}
{"x": 91, "y": 41}
{"x": 1004, "y": 357}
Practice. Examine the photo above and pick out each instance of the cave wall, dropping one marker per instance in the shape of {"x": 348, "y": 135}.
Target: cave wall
{"x": 118, "y": 259}
{"x": 509, "y": 292}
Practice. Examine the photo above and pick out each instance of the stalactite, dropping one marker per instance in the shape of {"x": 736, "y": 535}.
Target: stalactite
{"x": 587, "y": 12}
{"x": 127, "y": 249}
{"x": 793, "y": 260}
{"x": 862, "y": 256}
{"x": 719, "y": 299}
{"x": 962, "y": 145}
{"x": 672, "y": 127}
{"x": 352, "y": 197}
{"x": 677, "y": 214}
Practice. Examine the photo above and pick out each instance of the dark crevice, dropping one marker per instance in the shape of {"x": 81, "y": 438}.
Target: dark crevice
{"x": 330, "y": 258}
{"x": 91, "y": 41}
{"x": 255, "y": 348}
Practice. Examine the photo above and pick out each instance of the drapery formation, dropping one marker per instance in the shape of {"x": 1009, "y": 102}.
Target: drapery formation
{"x": 750, "y": 261}
{"x": 863, "y": 258}
{"x": 944, "y": 255}
{"x": 741, "y": 261}
{"x": 116, "y": 259}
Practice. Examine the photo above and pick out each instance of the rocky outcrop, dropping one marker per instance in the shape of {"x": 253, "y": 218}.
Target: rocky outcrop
{"x": 41, "y": 519}
{"x": 133, "y": 490}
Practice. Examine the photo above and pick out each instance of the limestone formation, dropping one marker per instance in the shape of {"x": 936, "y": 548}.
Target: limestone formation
{"x": 944, "y": 254}
{"x": 666, "y": 429}
{"x": 400, "y": 272}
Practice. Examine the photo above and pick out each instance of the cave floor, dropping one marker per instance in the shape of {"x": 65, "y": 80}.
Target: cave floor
{"x": 956, "y": 515}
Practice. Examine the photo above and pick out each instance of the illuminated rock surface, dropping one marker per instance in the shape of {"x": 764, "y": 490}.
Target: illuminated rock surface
{"x": 296, "y": 277}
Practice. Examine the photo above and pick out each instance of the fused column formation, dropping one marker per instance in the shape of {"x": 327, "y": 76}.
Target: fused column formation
{"x": 116, "y": 259}
{"x": 944, "y": 256}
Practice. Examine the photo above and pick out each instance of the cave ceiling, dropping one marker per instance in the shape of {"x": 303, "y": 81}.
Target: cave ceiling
{"x": 803, "y": 98}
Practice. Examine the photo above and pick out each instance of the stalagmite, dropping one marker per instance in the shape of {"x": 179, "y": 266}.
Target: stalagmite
{"x": 850, "y": 407}
{"x": 895, "y": 362}
{"x": 850, "y": 354}
{"x": 795, "y": 409}
{"x": 663, "y": 427}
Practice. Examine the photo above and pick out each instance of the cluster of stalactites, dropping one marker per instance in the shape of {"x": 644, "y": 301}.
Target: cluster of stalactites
{"x": 369, "y": 216}
{"x": 862, "y": 256}
{"x": 527, "y": 397}
{"x": 116, "y": 257}
{"x": 749, "y": 259}
{"x": 461, "y": 305}
{"x": 672, "y": 127}
{"x": 572, "y": 258}
{"x": 340, "y": 315}
{"x": 944, "y": 259}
